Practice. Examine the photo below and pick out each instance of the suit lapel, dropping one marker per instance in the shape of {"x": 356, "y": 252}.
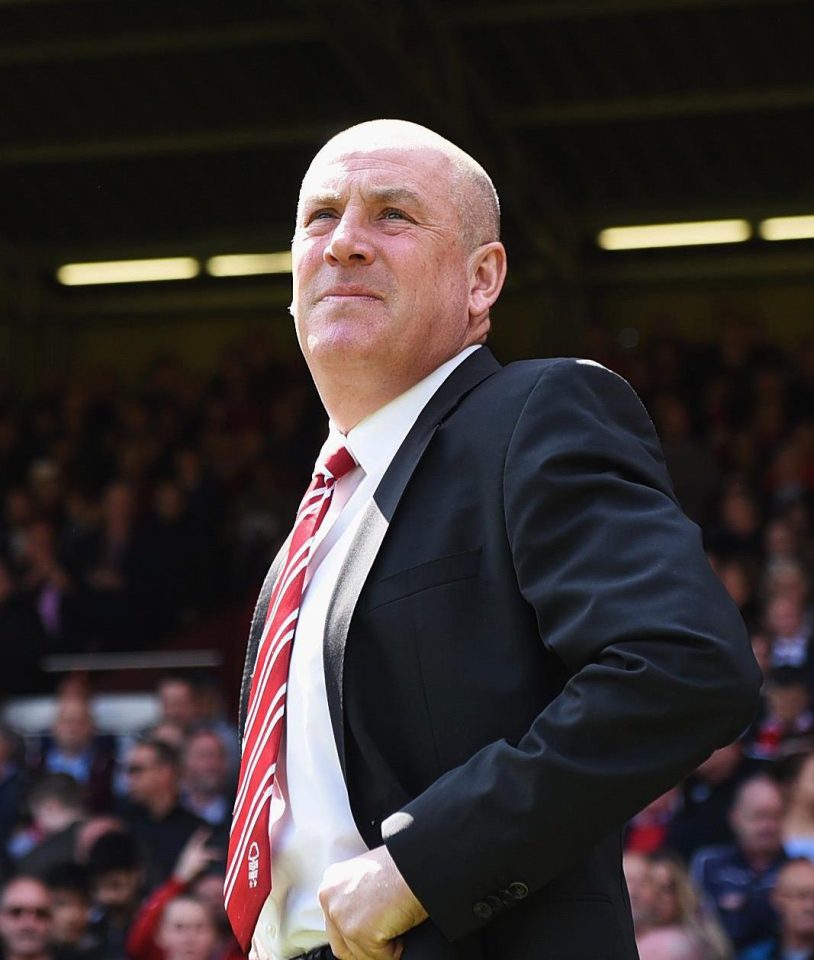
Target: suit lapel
{"x": 376, "y": 520}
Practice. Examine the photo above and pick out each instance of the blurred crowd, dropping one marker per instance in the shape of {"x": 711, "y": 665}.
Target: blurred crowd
{"x": 113, "y": 848}
{"x": 133, "y": 512}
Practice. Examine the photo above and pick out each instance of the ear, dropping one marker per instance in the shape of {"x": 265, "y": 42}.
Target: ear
{"x": 487, "y": 273}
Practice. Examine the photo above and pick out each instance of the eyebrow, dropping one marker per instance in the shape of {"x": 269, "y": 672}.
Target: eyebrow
{"x": 381, "y": 195}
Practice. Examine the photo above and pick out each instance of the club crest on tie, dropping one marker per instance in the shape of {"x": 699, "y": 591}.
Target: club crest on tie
{"x": 254, "y": 863}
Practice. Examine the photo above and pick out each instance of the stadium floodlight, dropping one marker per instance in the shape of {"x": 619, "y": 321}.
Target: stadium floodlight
{"x": 128, "y": 271}
{"x": 787, "y": 228}
{"x": 248, "y": 264}
{"x": 697, "y": 233}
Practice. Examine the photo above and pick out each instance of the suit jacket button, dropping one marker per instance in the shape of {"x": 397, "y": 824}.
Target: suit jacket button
{"x": 495, "y": 903}
{"x": 518, "y": 890}
{"x": 482, "y": 910}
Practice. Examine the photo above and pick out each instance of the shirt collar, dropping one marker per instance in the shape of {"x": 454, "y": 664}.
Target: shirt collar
{"x": 374, "y": 441}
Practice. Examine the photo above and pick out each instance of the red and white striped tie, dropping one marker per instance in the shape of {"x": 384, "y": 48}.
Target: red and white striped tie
{"x": 248, "y": 871}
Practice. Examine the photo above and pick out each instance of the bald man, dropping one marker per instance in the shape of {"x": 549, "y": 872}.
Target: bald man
{"x": 508, "y": 638}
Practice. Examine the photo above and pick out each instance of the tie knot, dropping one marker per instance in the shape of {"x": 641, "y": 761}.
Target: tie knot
{"x": 338, "y": 464}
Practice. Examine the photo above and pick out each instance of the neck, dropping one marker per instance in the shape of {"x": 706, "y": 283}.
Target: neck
{"x": 759, "y": 860}
{"x": 797, "y": 941}
{"x": 161, "y": 806}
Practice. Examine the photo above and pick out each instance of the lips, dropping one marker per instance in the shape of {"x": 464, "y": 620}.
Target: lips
{"x": 350, "y": 291}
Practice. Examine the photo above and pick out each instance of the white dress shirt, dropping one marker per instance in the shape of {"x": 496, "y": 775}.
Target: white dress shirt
{"x": 311, "y": 825}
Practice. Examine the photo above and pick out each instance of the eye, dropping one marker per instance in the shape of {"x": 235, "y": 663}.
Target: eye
{"x": 324, "y": 213}
{"x": 393, "y": 213}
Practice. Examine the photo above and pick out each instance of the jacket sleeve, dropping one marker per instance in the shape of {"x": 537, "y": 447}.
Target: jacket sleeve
{"x": 661, "y": 672}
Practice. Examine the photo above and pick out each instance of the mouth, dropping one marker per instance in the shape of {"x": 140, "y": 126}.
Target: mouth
{"x": 350, "y": 293}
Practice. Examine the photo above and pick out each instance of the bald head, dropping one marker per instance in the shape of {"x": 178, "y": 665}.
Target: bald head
{"x": 669, "y": 943}
{"x": 470, "y": 186}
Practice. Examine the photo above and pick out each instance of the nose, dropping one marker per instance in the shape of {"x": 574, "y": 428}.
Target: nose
{"x": 350, "y": 242}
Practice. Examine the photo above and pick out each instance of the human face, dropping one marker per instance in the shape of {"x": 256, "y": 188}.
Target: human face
{"x": 146, "y": 775}
{"x": 25, "y": 919}
{"x": 70, "y": 910}
{"x": 757, "y": 819}
{"x": 381, "y": 275}
{"x": 794, "y": 900}
{"x": 73, "y": 726}
{"x": 205, "y": 766}
{"x": 187, "y": 931}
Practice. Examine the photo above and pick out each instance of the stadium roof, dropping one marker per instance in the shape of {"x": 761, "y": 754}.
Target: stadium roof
{"x": 169, "y": 127}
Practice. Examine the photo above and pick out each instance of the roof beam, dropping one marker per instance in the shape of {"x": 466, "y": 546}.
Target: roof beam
{"x": 216, "y": 141}
{"x": 659, "y": 108}
{"x": 251, "y": 34}
{"x": 505, "y": 14}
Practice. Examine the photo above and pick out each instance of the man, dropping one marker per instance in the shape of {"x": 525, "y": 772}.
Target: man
{"x": 738, "y": 878}
{"x": 178, "y": 701}
{"x": 187, "y": 931}
{"x": 155, "y": 816}
{"x": 206, "y": 789}
{"x": 508, "y": 639}
{"x": 793, "y": 898}
{"x": 57, "y": 812}
{"x": 669, "y": 943}
{"x": 25, "y": 920}
{"x": 75, "y": 748}
{"x": 71, "y": 908}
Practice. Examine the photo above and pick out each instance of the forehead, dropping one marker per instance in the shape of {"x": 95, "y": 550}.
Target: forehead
{"x": 185, "y": 911}
{"x": 421, "y": 170}
{"x": 25, "y": 891}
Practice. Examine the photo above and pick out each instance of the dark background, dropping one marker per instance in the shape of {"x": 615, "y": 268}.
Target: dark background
{"x": 164, "y": 128}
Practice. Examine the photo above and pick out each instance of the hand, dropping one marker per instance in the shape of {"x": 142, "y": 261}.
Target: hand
{"x": 195, "y": 857}
{"x": 367, "y": 906}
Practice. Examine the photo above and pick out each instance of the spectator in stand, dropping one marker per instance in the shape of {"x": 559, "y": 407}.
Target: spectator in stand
{"x": 187, "y": 931}
{"x": 71, "y": 905}
{"x": 787, "y": 724}
{"x": 22, "y": 637}
{"x": 780, "y": 542}
{"x": 647, "y": 831}
{"x": 212, "y": 715}
{"x": 206, "y": 787}
{"x": 178, "y": 702}
{"x": 676, "y": 904}
{"x": 692, "y": 467}
{"x": 208, "y": 889}
{"x": 788, "y": 578}
{"x": 791, "y": 636}
{"x": 57, "y": 812}
{"x": 74, "y": 747}
{"x": 143, "y": 939}
{"x": 669, "y": 943}
{"x": 106, "y": 565}
{"x": 793, "y": 899}
{"x": 738, "y": 531}
{"x": 798, "y": 823}
{"x": 738, "y": 878}
{"x": 702, "y": 819}
{"x": 12, "y": 785}
{"x": 737, "y": 576}
{"x": 154, "y": 815}
{"x": 25, "y": 920}
{"x": 116, "y": 883}
{"x": 50, "y": 587}
{"x": 639, "y": 880}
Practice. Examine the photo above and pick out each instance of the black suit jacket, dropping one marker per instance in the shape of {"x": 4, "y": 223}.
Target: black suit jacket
{"x": 526, "y": 646}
